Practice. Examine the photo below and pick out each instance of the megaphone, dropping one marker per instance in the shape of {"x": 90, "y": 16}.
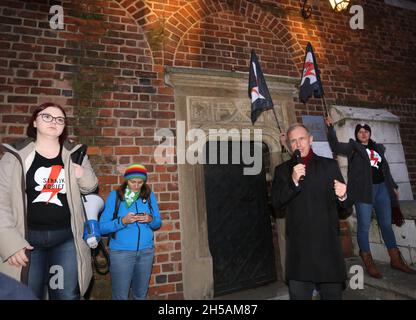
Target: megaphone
{"x": 93, "y": 205}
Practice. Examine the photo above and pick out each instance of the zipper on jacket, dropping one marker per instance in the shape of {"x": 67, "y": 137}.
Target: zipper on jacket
{"x": 138, "y": 227}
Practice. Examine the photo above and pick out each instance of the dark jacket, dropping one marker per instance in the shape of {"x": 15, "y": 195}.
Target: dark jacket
{"x": 313, "y": 248}
{"x": 360, "y": 183}
{"x": 11, "y": 289}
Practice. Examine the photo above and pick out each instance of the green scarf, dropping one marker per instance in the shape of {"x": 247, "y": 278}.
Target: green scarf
{"x": 130, "y": 197}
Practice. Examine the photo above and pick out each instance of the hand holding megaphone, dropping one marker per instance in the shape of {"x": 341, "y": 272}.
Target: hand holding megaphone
{"x": 93, "y": 205}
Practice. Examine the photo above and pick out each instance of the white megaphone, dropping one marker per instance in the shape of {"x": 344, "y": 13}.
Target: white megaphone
{"x": 93, "y": 205}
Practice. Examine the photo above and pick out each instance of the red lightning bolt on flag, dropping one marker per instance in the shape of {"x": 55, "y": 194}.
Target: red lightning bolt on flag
{"x": 309, "y": 69}
{"x": 53, "y": 176}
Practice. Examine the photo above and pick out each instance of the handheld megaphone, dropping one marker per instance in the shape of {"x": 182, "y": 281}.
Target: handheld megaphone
{"x": 93, "y": 205}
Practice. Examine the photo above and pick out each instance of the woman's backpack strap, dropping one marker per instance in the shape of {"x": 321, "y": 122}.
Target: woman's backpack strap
{"x": 115, "y": 213}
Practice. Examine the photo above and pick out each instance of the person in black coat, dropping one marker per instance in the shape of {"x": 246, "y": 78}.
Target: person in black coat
{"x": 309, "y": 194}
{"x": 371, "y": 186}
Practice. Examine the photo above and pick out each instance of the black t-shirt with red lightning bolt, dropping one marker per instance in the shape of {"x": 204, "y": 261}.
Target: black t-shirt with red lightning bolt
{"x": 376, "y": 163}
{"x": 46, "y": 194}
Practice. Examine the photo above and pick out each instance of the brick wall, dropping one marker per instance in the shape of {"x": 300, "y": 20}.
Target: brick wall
{"x": 106, "y": 68}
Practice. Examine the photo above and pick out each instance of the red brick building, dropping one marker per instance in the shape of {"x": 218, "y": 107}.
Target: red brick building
{"x": 109, "y": 68}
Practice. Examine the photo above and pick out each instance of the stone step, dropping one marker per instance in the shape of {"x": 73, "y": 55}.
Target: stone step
{"x": 395, "y": 285}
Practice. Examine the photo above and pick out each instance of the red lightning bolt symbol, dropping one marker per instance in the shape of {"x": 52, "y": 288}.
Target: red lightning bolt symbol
{"x": 309, "y": 69}
{"x": 373, "y": 158}
{"x": 48, "y": 187}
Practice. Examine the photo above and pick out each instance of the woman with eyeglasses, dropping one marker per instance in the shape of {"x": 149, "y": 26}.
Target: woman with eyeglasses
{"x": 130, "y": 216}
{"x": 41, "y": 217}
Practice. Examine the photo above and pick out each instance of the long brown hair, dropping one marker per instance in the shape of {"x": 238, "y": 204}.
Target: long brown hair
{"x": 32, "y": 131}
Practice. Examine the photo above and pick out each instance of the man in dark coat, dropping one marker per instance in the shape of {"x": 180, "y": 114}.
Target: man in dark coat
{"x": 309, "y": 193}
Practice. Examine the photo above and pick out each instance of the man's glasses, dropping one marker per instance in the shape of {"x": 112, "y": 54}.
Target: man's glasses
{"x": 48, "y": 118}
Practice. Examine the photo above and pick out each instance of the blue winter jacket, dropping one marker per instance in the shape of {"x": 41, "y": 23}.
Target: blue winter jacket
{"x": 134, "y": 236}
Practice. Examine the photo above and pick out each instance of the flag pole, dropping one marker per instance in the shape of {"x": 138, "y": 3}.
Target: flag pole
{"x": 324, "y": 105}
{"x": 277, "y": 121}
{"x": 280, "y": 130}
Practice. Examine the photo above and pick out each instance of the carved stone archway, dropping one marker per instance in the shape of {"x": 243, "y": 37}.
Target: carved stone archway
{"x": 207, "y": 99}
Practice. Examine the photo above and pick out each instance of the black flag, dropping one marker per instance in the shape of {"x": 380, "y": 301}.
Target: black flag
{"x": 257, "y": 89}
{"x": 311, "y": 80}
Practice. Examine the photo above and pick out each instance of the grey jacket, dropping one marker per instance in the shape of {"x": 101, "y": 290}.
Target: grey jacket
{"x": 14, "y": 165}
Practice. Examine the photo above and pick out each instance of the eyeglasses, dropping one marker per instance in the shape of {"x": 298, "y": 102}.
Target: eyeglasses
{"x": 48, "y": 118}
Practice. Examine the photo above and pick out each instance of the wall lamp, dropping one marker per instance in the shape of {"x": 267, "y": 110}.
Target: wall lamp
{"x": 306, "y": 9}
{"x": 337, "y": 6}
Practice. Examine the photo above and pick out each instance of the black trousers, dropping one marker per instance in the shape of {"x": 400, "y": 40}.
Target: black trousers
{"x": 302, "y": 290}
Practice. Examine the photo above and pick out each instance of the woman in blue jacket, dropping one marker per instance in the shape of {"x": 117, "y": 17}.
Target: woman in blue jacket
{"x": 130, "y": 216}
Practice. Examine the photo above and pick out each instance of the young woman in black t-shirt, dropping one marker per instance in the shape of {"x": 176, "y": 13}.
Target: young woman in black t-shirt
{"x": 42, "y": 214}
